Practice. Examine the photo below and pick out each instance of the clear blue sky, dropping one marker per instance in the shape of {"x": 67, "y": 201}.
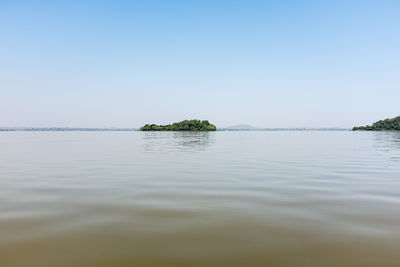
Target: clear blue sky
{"x": 265, "y": 63}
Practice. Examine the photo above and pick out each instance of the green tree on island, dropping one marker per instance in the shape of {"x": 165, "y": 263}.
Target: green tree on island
{"x": 186, "y": 125}
{"x": 382, "y": 125}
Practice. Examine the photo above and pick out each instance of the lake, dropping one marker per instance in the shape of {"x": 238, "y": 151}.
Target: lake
{"x": 225, "y": 198}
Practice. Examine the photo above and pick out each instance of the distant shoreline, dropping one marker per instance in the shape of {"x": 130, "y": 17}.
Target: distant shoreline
{"x": 63, "y": 129}
{"x": 67, "y": 129}
{"x": 287, "y": 129}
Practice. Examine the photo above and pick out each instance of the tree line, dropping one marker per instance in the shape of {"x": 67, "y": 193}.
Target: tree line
{"x": 186, "y": 125}
{"x": 382, "y": 125}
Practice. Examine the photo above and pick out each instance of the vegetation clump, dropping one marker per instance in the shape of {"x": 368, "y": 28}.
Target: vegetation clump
{"x": 186, "y": 125}
{"x": 382, "y": 125}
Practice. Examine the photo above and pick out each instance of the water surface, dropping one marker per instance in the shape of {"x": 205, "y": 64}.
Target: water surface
{"x": 282, "y": 198}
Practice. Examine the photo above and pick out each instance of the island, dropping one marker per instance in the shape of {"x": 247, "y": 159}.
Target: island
{"x": 186, "y": 125}
{"x": 382, "y": 125}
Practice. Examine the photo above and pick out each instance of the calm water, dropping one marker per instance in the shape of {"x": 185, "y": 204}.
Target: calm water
{"x": 200, "y": 199}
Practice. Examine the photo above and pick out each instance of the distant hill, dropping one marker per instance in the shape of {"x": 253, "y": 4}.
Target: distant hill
{"x": 241, "y": 127}
{"x": 382, "y": 125}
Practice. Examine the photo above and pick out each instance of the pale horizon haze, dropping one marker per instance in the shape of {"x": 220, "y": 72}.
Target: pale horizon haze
{"x": 264, "y": 63}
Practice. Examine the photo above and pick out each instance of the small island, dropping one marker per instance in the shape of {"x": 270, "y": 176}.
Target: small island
{"x": 186, "y": 125}
{"x": 382, "y": 125}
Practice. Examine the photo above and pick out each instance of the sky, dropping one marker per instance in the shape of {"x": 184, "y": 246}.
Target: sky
{"x": 263, "y": 63}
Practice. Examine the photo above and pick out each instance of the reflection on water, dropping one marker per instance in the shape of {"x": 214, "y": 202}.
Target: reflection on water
{"x": 387, "y": 140}
{"x": 199, "y": 199}
{"x": 167, "y": 142}
{"x": 387, "y": 144}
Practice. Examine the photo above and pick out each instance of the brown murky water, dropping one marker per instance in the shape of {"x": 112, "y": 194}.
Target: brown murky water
{"x": 199, "y": 199}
